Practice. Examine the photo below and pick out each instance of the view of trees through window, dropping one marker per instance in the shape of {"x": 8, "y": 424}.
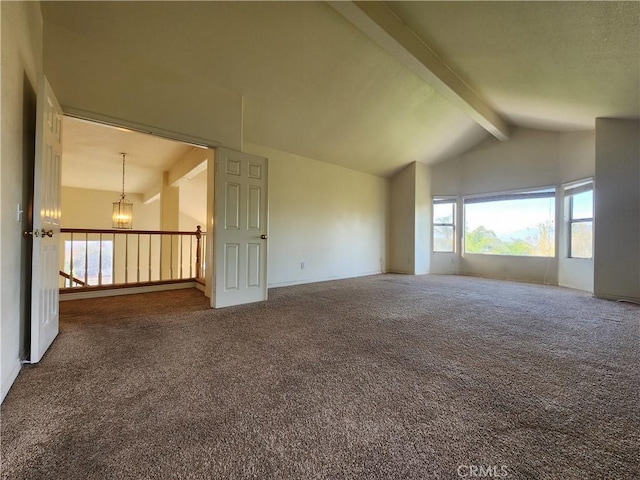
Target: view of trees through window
{"x": 515, "y": 224}
{"x": 581, "y": 222}
{"x": 444, "y": 210}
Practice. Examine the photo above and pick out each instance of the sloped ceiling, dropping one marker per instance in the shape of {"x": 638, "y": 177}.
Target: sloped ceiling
{"x": 315, "y": 85}
{"x": 545, "y": 65}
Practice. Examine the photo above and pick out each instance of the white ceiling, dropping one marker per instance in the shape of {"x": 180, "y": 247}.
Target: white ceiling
{"x": 546, "y": 65}
{"x": 315, "y": 85}
{"x": 92, "y": 157}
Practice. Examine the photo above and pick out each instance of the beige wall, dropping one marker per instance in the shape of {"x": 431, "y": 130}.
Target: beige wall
{"x": 577, "y": 161}
{"x": 617, "y": 209}
{"x": 423, "y": 216}
{"x": 402, "y": 221}
{"x": 21, "y": 42}
{"x": 529, "y": 159}
{"x": 410, "y": 220}
{"x": 84, "y": 208}
{"x": 193, "y": 203}
{"x": 331, "y": 218}
{"x": 93, "y": 79}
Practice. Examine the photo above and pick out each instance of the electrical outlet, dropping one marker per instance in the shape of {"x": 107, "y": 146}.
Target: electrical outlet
{"x": 301, "y": 265}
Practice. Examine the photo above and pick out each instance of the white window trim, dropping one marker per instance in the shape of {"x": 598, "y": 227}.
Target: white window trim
{"x": 444, "y": 199}
{"x": 569, "y": 190}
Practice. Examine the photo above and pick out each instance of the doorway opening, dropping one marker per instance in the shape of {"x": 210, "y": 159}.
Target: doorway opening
{"x": 167, "y": 182}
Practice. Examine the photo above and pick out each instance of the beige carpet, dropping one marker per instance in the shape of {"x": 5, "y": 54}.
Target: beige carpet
{"x": 387, "y": 376}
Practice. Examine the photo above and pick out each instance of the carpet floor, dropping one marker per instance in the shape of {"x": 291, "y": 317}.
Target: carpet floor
{"x": 382, "y": 377}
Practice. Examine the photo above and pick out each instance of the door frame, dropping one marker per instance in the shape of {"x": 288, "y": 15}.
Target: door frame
{"x": 210, "y": 258}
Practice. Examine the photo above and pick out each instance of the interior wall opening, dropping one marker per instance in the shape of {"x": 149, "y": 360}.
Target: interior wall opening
{"x": 166, "y": 182}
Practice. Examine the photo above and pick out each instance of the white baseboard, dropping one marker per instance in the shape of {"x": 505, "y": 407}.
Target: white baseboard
{"x": 125, "y": 291}
{"x": 321, "y": 279}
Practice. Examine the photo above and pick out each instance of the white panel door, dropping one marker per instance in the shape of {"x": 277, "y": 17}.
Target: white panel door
{"x": 46, "y": 222}
{"x": 240, "y": 230}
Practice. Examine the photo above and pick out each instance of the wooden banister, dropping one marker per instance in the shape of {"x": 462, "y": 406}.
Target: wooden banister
{"x": 130, "y": 232}
{"x": 73, "y": 279}
{"x": 107, "y": 258}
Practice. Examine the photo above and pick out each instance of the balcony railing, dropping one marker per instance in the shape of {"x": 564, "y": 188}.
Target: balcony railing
{"x": 95, "y": 259}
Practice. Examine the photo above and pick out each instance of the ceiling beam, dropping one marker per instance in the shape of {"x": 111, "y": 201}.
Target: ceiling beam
{"x": 188, "y": 166}
{"x": 384, "y": 27}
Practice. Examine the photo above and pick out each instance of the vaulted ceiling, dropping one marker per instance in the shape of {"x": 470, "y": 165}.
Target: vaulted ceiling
{"x": 316, "y": 82}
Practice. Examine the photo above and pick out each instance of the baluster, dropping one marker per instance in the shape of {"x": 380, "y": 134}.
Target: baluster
{"x": 71, "y": 262}
{"x": 171, "y": 257}
{"x": 126, "y": 258}
{"x": 100, "y": 261}
{"x": 198, "y": 236}
{"x": 190, "y": 247}
{"x": 113, "y": 260}
{"x": 86, "y": 259}
{"x": 180, "y": 242}
{"x": 149, "y": 257}
{"x": 203, "y": 255}
{"x": 160, "y": 259}
{"x": 138, "y": 261}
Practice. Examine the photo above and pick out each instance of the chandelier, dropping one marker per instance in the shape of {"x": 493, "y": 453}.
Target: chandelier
{"x": 122, "y": 216}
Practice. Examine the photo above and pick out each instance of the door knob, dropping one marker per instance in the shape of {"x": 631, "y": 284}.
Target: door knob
{"x": 263, "y": 237}
{"x": 46, "y": 233}
{"x": 28, "y": 233}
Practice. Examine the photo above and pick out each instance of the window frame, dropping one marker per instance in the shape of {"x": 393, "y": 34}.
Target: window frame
{"x": 444, "y": 200}
{"x": 570, "y": 191}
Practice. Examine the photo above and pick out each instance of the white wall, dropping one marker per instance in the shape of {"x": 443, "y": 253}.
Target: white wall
{"x": 84, "y": 208}
{"x": 617, "y": 209}
{"x": 21, "y": 42}
{"x": 331, "y": 218}
{"x": 529, "y": 159}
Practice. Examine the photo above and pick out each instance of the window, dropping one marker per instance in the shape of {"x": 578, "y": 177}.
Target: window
{"x": 580, "y": 206}
{"x": 444, "y": 218}
{"x": 521, "y": 223}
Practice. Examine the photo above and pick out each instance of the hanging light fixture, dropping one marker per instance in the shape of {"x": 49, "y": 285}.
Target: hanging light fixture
{"x": 122, "y": 217}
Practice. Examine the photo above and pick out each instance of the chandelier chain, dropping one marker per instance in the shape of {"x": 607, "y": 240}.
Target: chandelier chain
{"x": 123, "y": 156}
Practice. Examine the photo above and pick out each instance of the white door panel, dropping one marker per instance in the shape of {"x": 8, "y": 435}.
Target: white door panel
{"x": 240, "y": 231}
{"x": 46, "y": 222}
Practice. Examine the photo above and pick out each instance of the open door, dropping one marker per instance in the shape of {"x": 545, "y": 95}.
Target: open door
{"x": 240, "y": 229}
{"x": 46, "y": 222}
